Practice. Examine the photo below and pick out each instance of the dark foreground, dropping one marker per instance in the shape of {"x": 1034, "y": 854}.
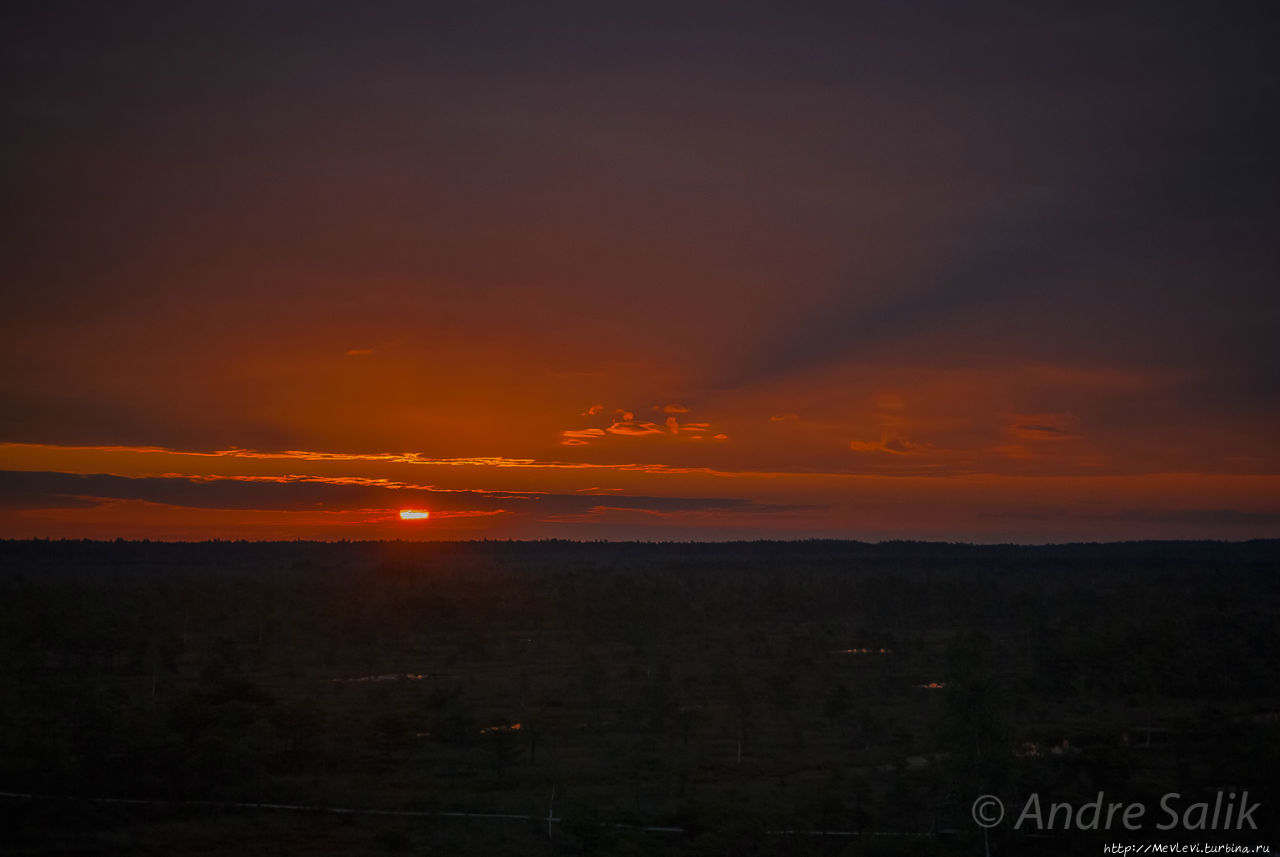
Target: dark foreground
{"x": 800, "y": 698}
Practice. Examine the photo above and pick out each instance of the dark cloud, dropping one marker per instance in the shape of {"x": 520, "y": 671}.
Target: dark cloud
{"x": 43, "y": 490}
{"x": 1042, "y": 428}
{"x": 1192, "y": 517}
{"x": 25, "y": 490}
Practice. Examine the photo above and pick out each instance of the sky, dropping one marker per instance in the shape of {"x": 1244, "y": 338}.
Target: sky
{"x": 981, "y": 271}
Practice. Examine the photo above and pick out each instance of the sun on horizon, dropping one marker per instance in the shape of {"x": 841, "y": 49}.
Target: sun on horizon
{"x": 414, "y": 514}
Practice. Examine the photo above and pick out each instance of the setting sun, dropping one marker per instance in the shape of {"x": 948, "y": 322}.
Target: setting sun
{"x": 414, "y": 514}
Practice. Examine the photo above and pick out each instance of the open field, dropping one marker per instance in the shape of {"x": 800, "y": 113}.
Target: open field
{"x": 749, "y": 696}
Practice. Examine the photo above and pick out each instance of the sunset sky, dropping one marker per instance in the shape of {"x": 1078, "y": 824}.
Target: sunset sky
{"x": 983, "y": 271}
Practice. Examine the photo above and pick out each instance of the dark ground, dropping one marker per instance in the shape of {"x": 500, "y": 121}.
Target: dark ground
{"x": 752, "y": 695}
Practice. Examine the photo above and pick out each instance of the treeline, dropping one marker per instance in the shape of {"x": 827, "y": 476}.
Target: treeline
{"x": 54, "y": 552}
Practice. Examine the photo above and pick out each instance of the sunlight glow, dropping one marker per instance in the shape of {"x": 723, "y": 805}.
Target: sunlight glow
{"x": 414, "y": 514}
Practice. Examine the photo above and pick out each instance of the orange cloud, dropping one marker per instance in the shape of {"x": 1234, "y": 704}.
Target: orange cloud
{"x": 120, "y": 460}
{"x": 468, "y": 513}
{"x": 625, "y": 424}
{"x": 632, "y": 428}
{"x": 580, "y": 437}
{"x": 896, "y": 444}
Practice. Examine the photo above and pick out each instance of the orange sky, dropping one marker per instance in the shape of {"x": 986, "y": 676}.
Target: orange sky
{"x": 156, "y": 493}
{"x": 971, "y": 273}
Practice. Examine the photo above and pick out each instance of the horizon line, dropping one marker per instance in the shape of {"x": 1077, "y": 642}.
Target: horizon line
{"x": 650, "y": 542}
